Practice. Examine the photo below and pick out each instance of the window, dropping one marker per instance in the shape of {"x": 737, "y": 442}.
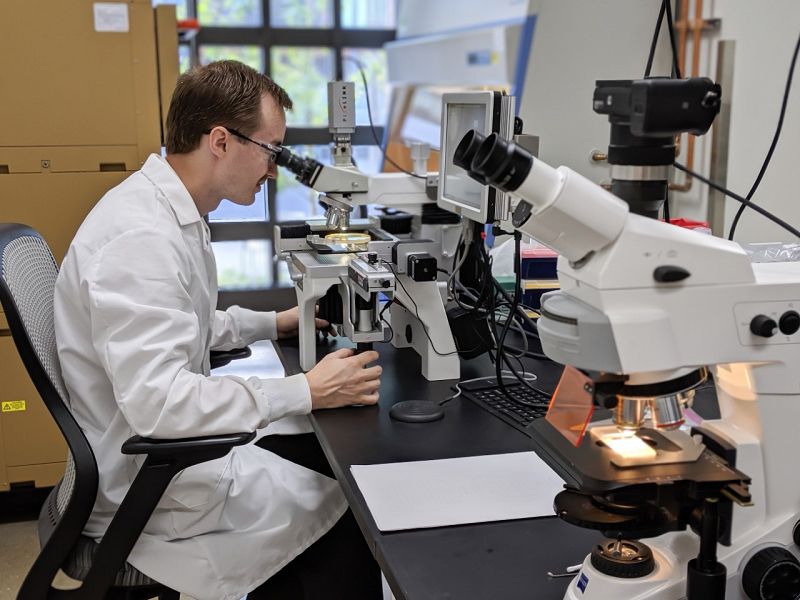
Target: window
{"x": 252, "y": 56}
{"x": 301, "y": 13}
{"x": 243, "y": 264}
{"x": 229, "y": 13}
{"x": 373, "y": 62}
{"x": 304, "y": 73}
{"x": 369, "y": 14}
{"x": 302, "y": 44}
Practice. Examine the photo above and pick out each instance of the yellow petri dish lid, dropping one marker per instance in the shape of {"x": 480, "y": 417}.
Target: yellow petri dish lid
{"x": 353, "y": 240}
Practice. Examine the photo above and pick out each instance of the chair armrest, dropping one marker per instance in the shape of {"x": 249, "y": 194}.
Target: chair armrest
{"x": 165, "y": 459}
{"x": 220, "y": 358}
{"x": 184, "y": 446}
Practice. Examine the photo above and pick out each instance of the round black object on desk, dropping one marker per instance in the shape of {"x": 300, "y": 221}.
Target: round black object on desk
{"x": 416, "y": 411}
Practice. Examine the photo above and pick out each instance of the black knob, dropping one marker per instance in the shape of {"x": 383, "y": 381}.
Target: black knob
{"x": 763, "y": 326}
{"x": 789, "y": 322}
{"x": 670, "y": 273}
{"x": 772, "y": 574}
{"x": 372, "y": 257}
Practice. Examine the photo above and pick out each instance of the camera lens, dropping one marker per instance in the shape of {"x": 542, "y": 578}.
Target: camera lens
{"x": 467, "y": 148}
{"x": 504, "y": 164}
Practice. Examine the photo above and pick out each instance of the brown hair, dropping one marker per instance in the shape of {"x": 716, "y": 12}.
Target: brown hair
{"x": 225, "y": 93}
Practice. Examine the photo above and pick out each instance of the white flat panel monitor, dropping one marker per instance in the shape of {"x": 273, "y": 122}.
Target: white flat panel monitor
{"x": 458, "y": 192}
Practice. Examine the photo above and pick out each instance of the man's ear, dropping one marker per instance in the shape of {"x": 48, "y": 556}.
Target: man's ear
{"x": 218, "y": 141}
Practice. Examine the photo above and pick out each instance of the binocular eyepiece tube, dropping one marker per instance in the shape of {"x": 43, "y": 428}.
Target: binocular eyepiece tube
{"x": 493, "y": 160}
{"x": 306, "y": 169}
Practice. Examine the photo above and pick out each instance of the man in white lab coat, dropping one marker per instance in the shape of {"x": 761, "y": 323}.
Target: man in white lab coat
{"x": 135, "y": 320}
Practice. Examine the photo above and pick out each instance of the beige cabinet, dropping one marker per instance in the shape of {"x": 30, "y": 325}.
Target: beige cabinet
{"x": 84, "y": 88}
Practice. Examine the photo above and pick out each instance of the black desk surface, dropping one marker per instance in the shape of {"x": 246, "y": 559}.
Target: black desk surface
{"x": 501, "y": 560}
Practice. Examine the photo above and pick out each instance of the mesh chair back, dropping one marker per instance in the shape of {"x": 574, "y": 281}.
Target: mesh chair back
{"x": 29, "y": 271}
{"x": 28, "y": 274}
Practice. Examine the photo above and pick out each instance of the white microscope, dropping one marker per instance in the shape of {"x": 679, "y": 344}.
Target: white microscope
{"x": 644, "y": 311}
{"x": 347, "y": 264}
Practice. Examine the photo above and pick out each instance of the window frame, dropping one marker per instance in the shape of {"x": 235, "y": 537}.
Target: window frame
{"x": 337, "y": 38}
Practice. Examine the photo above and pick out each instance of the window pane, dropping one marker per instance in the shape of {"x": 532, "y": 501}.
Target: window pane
{"x": 283, "y": 273}
{"x": 373, "y": 61}
{"x": 228, "y": 211}
{"x": 230, "y": 13}
{"x": 180, "y": 7}
{"x": 249, "y": 55}
{"x": 304, "y": 73}
{"x": 368, "y": 14}
{"x": 293, "y": 200}
{"x": 369, "y": 159}
{"x": 184, "y": 58}
{"x": 243, "y": 264}
{"x": 301, "y": 13}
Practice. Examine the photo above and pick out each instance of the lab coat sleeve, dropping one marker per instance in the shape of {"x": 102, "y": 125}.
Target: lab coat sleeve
{"x": 237, "y": 327}
{"x": 145, "y": 331}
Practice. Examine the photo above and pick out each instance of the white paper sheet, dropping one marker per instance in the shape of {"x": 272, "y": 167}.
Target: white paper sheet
{"x": 455, "y": 491}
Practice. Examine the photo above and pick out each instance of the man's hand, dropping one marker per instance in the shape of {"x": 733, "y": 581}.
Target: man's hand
{"x": 289, "y": 323}
{"x": 342, "y": 379}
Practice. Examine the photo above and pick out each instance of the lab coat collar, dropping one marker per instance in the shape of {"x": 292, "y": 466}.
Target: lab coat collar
{"x": 157, "y": 170}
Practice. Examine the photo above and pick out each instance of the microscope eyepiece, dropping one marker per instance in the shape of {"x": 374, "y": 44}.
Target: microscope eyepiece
{"x": 283, "y": 156}
{"x": 466, "y": 149}
{"x": 306, "y": 169}
{"x": 493, "y": 160}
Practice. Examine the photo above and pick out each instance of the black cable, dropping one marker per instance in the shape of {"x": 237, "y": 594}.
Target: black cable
{"x": 501, "y": 348}
{"x": 371, "y": 125}
{"x": 654, "y": 43}
{"x": 517, "y": 293}
{"x": 772, "y": 146}
{"x": 389, "y": 325}
{"x": 738, "y": 198}
{"x": 676, "y": 68}
{"x": 416, "y": 310}
{"x": 531, "y": 323}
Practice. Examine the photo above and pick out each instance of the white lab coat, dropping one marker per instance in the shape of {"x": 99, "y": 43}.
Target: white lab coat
{"x": 135, "y": 309}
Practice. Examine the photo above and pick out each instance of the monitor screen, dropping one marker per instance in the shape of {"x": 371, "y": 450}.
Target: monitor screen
{"x": 458, "y": 186}
{"x": 458, "y": 192}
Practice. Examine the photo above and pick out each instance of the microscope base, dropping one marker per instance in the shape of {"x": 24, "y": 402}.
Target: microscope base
{"x": 672, "y": 553}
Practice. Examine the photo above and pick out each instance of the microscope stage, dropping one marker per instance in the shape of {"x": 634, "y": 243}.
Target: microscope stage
{"x": 590, "y": 469}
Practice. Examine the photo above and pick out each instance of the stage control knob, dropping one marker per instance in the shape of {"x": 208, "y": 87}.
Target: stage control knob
{"x": 763, "y": 326}
{"x": 626, "y": 559}
{"x": 789, "y": 322}
{"x": 772, "y": 574}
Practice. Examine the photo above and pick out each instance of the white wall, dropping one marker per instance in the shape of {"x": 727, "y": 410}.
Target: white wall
{"x": 576, "y": 43}
{"x": 765, "y": 35}
{"x": 426, "y": 17}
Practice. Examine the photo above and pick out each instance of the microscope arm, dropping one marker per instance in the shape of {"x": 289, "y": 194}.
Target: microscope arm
{"x": 354, "y": 188}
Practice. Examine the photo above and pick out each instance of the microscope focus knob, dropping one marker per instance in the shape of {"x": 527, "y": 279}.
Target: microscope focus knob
{"x": 763, "y": 326}
{"x": 789, "y": 322}
{"x": 772, "y": 573}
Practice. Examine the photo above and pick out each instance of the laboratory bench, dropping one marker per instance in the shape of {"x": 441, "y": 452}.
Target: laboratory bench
{"x": 498, "y": 560}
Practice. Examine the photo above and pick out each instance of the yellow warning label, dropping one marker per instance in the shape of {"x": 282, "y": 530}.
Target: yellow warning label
{"x": 12, "y": 406}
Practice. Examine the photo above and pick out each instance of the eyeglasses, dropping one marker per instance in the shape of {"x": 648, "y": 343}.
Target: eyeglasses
{"x": 271, "y": 150}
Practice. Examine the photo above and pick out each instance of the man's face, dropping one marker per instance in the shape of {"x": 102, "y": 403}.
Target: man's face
{"x": 252, "y": 164}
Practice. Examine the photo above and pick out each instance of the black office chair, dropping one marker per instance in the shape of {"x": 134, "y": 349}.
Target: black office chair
{"x": 27, "y": 278}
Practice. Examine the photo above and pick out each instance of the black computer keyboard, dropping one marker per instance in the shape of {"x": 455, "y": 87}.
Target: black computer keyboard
{"x": 519, "y": 410}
